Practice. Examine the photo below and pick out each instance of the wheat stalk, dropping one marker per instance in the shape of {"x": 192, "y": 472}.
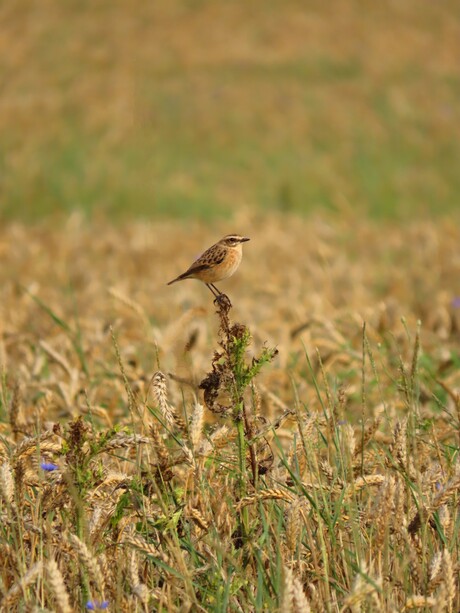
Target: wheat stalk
{"x": 449, "y": 578}
{"x": 88, "y": 561}
{"x": 270, "y": 494}
{"x": 58, "y": 587}
{"x": 417, "y": 601}
{"x": 6, "y": 482}
{"x": 287, "y": 601}
{"x": 301, "y": 603}
{"x": 196, "y": 426}
{"x": 293, "y": 525}
{"x": 19, "y": 588}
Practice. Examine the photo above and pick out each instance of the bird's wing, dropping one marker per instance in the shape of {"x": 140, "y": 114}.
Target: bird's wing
{"x": 211, "y": 257}
{"x": 193, "y": 270}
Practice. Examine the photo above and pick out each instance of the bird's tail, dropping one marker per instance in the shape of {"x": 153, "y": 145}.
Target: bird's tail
{"x": 184, "y": 275}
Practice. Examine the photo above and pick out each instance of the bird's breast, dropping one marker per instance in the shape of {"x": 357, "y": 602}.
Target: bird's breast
{"x": 232, "y": 262}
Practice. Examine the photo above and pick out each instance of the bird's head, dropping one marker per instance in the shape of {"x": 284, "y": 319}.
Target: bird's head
{"x": 233, "y": 240}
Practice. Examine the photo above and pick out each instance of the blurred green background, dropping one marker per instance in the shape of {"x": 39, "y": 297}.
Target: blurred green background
{"x": 201, "y": 107}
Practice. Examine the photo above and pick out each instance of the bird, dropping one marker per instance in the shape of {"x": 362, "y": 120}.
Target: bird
{"x": 218, "y": 262}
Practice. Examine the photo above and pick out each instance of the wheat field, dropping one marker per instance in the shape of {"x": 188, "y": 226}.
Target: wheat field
{"x": 298, "y": 452}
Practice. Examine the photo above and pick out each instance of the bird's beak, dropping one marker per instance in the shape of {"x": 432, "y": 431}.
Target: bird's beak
{"x": 244, "y": 239}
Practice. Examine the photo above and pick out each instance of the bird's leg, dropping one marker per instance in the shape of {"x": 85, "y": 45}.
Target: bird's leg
{"x": 219, "y": 298}
{"x": 219, "y": 293}
{"x": 224, "y": 300}
{"x": 213, "y": 289}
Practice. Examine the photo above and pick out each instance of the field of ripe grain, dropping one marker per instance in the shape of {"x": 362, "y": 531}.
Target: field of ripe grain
{"x": 302, "y": 456}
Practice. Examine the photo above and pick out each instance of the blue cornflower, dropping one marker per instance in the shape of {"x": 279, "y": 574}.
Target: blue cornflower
{"x": 94, "y": 605}
{"x": 48, "y": 466}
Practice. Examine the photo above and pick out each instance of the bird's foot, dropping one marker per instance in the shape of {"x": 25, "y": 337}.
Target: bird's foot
{"x": 223, "y": 301}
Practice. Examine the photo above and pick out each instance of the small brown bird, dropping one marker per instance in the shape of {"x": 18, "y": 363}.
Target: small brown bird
{"x": 217, "y": 263}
